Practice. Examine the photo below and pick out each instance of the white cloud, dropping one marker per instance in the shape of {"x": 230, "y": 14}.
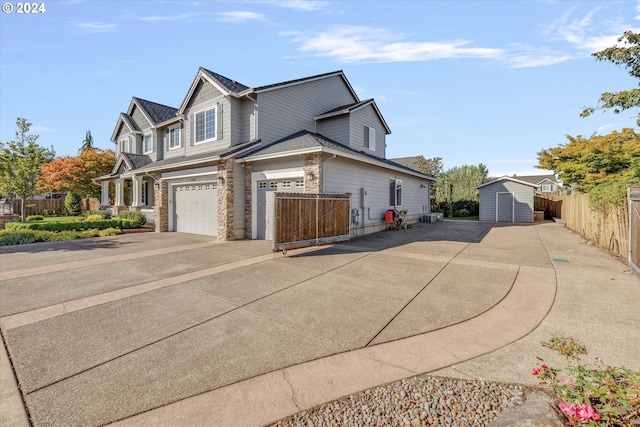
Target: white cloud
{"x": 167, "y": 18}
{"x": 305, "y": 5}
{"x": 353, "y": 44}
{"x": 96, "y": 27}
{"x": 240, "y": 16}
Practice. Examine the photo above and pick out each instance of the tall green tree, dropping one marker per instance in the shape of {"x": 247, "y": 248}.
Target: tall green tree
{"x": 627, "y": 55}
{"x": 431, "y": 167}
{"x": 455, "y": 187}
{"x": 589, "y": 162}
{"x": 87, "y": 143}
{"x": 20, "y": 162}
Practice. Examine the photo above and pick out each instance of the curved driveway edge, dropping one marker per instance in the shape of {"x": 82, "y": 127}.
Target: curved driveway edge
{"x": 267, "y": 398}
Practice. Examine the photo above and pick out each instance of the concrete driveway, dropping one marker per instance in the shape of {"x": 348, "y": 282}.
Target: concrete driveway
{"x": 123, "y": 328}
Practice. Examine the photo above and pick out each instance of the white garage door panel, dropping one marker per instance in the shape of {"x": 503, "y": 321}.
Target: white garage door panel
{"x": 196, "y": 209}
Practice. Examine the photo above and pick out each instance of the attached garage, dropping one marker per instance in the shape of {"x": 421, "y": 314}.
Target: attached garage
{"x": 506, "y": 199}
{"x": 195, "y": 208}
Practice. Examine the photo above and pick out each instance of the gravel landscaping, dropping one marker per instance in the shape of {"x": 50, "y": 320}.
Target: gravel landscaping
{"x": 417, "y": 401}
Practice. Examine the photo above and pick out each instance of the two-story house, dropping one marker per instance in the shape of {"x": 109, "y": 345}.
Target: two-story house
{"x": 206, "y": 166}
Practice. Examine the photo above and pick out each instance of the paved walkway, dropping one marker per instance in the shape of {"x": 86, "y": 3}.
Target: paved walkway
{"x": 202, "y": 333}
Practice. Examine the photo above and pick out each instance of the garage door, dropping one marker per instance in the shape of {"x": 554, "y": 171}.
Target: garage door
{"x": 196, "y": 208}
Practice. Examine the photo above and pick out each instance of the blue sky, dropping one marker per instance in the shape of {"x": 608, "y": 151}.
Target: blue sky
{"x": 490, "y": 82}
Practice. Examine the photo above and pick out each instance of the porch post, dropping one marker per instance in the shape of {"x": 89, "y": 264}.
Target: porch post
{"x": 137, "y": 191}
{"x": 104, "y": 200}
{"x": 120, "y": 192}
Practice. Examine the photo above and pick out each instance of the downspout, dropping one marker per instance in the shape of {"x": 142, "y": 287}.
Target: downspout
{"x": 255, "y": 121}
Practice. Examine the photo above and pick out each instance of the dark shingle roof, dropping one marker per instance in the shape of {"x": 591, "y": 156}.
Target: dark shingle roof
{"x": 230, "y": 85}
{"x": 347, "y": 108}
{"x": 305, "y": 140}
{"x": 129, "y": 121}
{"x": 136, "y": 161}
{"x": 158, "y": 113}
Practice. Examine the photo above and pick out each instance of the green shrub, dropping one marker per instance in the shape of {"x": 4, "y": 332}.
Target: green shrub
{"x": 35, "y": 218}
{"x": 64, "y": 212}
{"x": 73, "y": 226}
{"x": 16, "y": 237}
{"x": 86, "y": 234}
{"x": 461, "y": 212}
{"x": 103, "y": 214}
{"x": 109, "y": 232}
{"x": 94, "y": 218}
{"x": 138, "y": 216}
{"x": 43, "y": 212}
{"x": 72, "y": 202}
{"x": 63, "y": 236}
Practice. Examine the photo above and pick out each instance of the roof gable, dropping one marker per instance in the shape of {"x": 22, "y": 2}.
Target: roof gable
{"x": 351, "y": 108}
{"x": 537, "y": 179}
{"x": 302, "y": 80}
{"x": 124, "y": 120}
{"x": 506, "y": 178}
{"x": 155, "y": 113}
{"x": 224, "y": 84}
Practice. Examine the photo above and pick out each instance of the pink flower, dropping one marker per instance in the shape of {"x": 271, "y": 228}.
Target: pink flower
{"x": 586, "y": 412}
{"x": 535, "y": 371}
{"x": 544, "y": 367}
{"x": 567, "y": 408}
{"x": 565, "y": 382}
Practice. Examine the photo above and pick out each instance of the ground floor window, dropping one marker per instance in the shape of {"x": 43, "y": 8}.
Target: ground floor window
{"x": 395, "y": 192}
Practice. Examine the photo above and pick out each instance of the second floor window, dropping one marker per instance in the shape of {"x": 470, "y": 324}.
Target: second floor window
{"x": 205, "y": 125}
{"x": 147, "y": 143}
{"x": 369, "y": 138}
{"x": 174, "y": 138}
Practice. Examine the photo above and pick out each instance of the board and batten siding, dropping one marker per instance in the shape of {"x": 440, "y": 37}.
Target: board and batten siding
{"x": 347, "y": 176}
{"x": 290, "y": 109}
{"x": 367, "y": 117}
{"x": 522, "y": 195}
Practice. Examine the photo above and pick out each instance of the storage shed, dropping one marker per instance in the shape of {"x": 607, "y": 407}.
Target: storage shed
{"x": 506, "y": 199}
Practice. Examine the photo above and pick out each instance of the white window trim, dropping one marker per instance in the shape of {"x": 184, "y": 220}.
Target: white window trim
{"x": 195, "y": 124}
{"x": 395, "y": 197}
{"x": 169, "y": 147}
{"x": 370, "y": 139}
{"x": 144, "y": 143}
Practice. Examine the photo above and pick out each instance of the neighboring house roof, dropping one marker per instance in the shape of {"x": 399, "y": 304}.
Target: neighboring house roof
{"x": 350, "y": 108}
{"x": 307, "y": 142}
{"x": 507, "y": 178}
{"x": 537, "y": 179}
{"x": 410, "y": 162}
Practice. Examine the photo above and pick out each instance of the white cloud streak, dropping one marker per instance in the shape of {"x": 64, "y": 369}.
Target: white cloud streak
{"x": 167, "y": 18}
{"x": 96, "y": 27}
{"x": 240, "y": 16}
{"x": 353, "y": 44}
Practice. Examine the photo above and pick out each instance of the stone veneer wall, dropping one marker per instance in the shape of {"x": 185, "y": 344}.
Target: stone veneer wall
{"x": 248, "y": 229}
{"x": 225, "y": 199}
{"x": 313, "y": 173}
{"x": 161, "y": 205}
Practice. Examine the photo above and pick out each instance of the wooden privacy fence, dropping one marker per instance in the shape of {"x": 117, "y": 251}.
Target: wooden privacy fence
{"x": 634, "y": 228}
{"x": 310, "y": 219}
{"x": 609, "y": 230}
{"x": 54, "y": 206}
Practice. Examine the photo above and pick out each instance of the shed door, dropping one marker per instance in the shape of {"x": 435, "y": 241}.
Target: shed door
{"x": 196, "y": 208}
{"x": 504, "y": 207}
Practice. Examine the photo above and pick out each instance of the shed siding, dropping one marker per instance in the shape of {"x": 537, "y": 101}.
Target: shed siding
{"x": 523, "y": 200}
{"x": 367, "y": 117}
{"x": 287, "y": 110}
{"x": 346, "y": 176}
{"x": 335, "y": 128}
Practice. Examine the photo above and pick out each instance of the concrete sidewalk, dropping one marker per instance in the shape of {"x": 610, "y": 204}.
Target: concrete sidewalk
{"x": 181, "y": 330}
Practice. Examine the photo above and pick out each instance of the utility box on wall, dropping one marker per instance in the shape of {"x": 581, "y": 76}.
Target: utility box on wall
{"x": 364, "y": 197}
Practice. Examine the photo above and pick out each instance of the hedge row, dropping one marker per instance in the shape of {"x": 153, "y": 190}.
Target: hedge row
{"x": 19, "y": 237}
{"x": 73, "y": 226}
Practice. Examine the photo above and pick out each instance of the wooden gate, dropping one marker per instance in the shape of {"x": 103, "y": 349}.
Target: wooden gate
{"x": 634, "y": 229}
{"x": 310, "y": 219}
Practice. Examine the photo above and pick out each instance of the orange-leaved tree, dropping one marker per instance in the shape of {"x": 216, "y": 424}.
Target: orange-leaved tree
{"x": 76, "y": 174}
